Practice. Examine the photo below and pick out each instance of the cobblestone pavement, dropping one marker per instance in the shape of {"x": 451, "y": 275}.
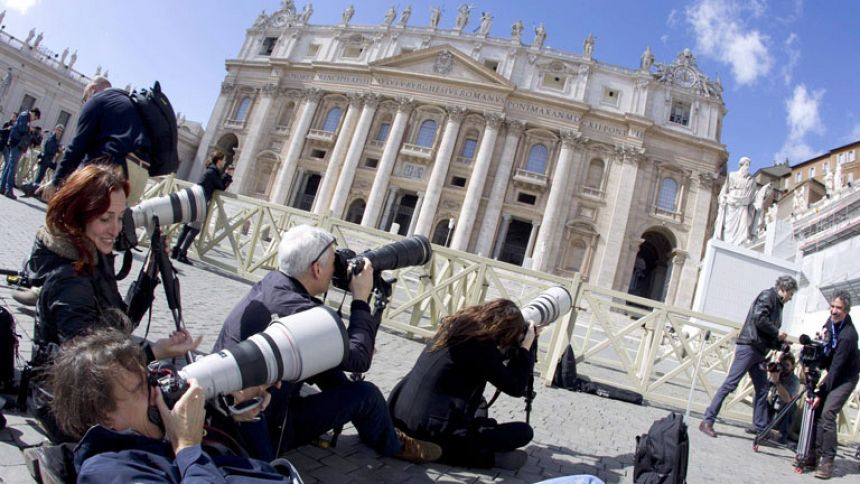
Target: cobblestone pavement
{"x": 574, "y": 433}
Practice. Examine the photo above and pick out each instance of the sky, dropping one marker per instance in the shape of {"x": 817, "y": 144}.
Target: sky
{"x": 789, "y": 68}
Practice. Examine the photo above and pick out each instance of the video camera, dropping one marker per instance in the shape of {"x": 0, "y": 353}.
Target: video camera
{"x": 292, "y": 348}
{"x": 411, "y": 251}
{"x": 812, "y": 351}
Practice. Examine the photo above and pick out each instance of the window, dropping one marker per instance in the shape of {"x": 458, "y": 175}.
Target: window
{"x": 526, "y": 198}
{"x": 538, "y": 155}
{"x": 680, "y": 113}
{"x": 610, "y": 96}
{"x": 352, "y": 52}
{"x": 320, "y": 154}
{"x": 287, "y": 114}
{"x": 332, "y": 118}
{"x": 371, "y": 162}
{"x": 242, "y": 109}
{"x": 594, "y": 177}
{"x": 313, "y": 50}
{"x": 458, "y": 181}
{"x": 412, "y": 171}
{"x": 811, "y": 172}
{"x": 851, "y": 156}
{"x": 426, "y": 133}
{"x": 27, "y": 103}
{"x": 553, "y": 82}
{"x": 851, "y": 179}
{"x": 666, "y": 197}
{"x": 840, "y": 159}
{"x": 268, "y": 45}
{"x": 797, "y": 177}
{"x": 492, "y": 64}
{"x": 382, "y": 133}
{"x": 826, "y": 166}
{"x": 469, "y": 146}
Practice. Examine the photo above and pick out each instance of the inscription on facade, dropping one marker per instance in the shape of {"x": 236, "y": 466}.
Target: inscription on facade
{"x": 542, "y": 111}
{"x": 344, "y": 79}
{"x": 299, "y": 76}
{"x": 605, "y": 128}
{"x": 441, "y": 90}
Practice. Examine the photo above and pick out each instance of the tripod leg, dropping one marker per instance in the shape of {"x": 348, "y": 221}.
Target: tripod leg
{"x": 775, "y": 421}
{"x": 804, "y": 457}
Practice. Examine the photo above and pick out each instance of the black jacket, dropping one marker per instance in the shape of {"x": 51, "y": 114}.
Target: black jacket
{"x": 49, "y": 151}
{"x": 843, "y": 362}
{"x": 441, "y": 394}
{"x": 761, "y": 328}
{"x": 70, "y": 303}
{"x": 212, "y": 180}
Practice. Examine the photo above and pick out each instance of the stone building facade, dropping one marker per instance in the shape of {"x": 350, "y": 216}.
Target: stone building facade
{"x": 495, "y": 146}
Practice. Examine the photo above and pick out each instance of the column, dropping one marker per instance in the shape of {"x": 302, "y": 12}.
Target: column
{"x": 301, "y": 178}
{"x": 257, "y": 126}
{"x": 418, "y": 206}
{"x": 530, "y": 245}
{"x": 701, "y": 193}
{"x": 386, "y": 163}
{"x": 335, "y": 160}
{"x": 440, "y": 170}
{"x": 497, "y": 193}
{"x": 620, "y": 205}
{"x": 353, "y": 155}
{"x": 503, "y": 233}
{"x": 556, "y": 204}
{"x": 678, "y": 259}
{"x": 386, "y": 214}
{"x": 463, "y": 230}
{"x": 294, "y": 149}
{"x": 216, "y": 119}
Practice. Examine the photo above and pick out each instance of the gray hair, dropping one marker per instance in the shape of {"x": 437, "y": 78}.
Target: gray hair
{"x": 786, "y": 283}
{"x": 299, "y": 248}
{"x": 845, "y": 296}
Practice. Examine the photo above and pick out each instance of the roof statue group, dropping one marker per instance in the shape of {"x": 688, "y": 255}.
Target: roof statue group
{"x": 741, "y": 206}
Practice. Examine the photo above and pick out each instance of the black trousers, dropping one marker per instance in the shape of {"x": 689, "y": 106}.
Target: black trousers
{"x": 185, "y": 239}
{"x": 476, "y": 446}
{"x": 825, "y": 435}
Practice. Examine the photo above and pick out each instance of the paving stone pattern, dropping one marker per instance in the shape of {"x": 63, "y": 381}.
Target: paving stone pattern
{"x": 574, "y": 433}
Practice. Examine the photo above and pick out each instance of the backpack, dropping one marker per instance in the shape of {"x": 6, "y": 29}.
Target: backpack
{"x": 159, "y": 123}
{"x": 565, "y": 370}
{"x": 662, "y": 454}
{"x": 8, "y": 349}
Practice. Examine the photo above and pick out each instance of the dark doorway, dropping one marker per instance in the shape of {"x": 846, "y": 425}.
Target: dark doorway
{"x": 652, "y": 268}
{"x": 306, "y": 198}
{"x": 442, "y": 234}
{"x": 403, "y": 212}
{"x": 227, "y": 145}
{"x": 356, "y": 211}
{"x": 516, "y": 242}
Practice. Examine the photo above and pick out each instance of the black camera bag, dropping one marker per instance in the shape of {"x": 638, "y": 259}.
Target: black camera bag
{"x": 663, "y": 453}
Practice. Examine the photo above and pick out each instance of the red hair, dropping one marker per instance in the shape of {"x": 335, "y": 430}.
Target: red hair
{"x": 84, "y": 197}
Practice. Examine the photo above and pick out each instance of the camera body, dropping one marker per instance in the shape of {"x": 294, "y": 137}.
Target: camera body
{"x": 780, "y": 364}
{"x": 411, "y": 251}
{"x": 812, "y": 352}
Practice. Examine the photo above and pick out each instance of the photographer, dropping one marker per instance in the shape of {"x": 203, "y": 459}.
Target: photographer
{"x": 46, "y": 160}
{"x": 439, "y": 399}
{"x": 306, "y": 258}
{"x": 759, "y": 334}
{"x": 785, "y": 384}
{"x": 842, "y": 361}
{"x": 102, "y": 396}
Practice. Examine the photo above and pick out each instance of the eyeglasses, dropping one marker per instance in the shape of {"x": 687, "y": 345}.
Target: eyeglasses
{"x": 325, "y": 249}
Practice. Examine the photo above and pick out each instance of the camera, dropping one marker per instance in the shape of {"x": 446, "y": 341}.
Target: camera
{"x": 812, "y": 351}
{"x": 411, "y": 251}
{"x": 781, "y": 363}
{"x": 183, "y": 206}
{"x": 548, "y": 306}
{"x": 292, "y": 348}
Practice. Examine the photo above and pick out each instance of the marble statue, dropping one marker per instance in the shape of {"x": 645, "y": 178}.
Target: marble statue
{"x": 736, "y": 211}
{"x": 307, "y": 11}
{"x": 799, "y": 200}
{"x": 435, "y": 17}
{"x": 38, "y": 40}
{"x": 838, "y": 180}
{"x": 462, "y": 17}
{"x": 647, "y": 60}
{"x": 828, "y": 184}
{"x": 288, "y": 6}
{"x": 517, "y": 30}
{"x": 588, "y": 45}
{"x": 73, "y": 59}
{"x": 2, "y": 16}
{"x": 65, "y": 54}
{"x": 404, "y": 16}
{"x": 486, "y": 23}
{"x": 261, "y": 19}
{"x": 540, "y": 36}
{"x": 98, "y": 70}
{"x": 390, "y": 15}
{"x": 347, "y": 14}
{"x": 30, "y": 36}
{"x": 761, "y": 197}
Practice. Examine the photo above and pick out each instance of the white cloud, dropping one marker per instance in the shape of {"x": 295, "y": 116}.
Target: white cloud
{"x": 855, "y": 133}
{"x": 20, "y": 5}
{"x": 664, "y": 39}
{"x": 793, "y": 54}
{"x": 802, "y": 118}
{"x": 722, "y": 34}
{"x": 673, "y": 18}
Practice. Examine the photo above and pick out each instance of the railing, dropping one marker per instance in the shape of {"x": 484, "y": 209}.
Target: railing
{"x": 419, "y": 153}
{"x": 234, "y": 124}
{"x": 320, "y": 135}
{"x": 620, "y": 339}
{"x": 530, "y": 178}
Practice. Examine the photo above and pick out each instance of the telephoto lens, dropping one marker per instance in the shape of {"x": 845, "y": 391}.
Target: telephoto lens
{"x": 184, "y": 206}
{"x": 548, "y": 306}
{"x": 411, "y": 251}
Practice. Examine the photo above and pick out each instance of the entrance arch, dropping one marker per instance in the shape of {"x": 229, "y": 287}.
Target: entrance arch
{"x": 652, "y": 268}
{"x": 227, "y": 145}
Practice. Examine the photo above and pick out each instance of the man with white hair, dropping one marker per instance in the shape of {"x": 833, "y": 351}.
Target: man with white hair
{"x": 306, "y": 260}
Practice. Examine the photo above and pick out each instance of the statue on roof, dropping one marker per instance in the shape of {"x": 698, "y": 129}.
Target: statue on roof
{"x": 306, "y": 13}
{"x": 647, "y": 60}
{"x": 517, "y": 30}
{"x": 588, "y": 45}
{"x": 348, "y": 12}
{"x": 404, "y": 16}
{"x": 736, "y": 211}
{"x": 486, "y": 23}
{"x": 435, "y": 17}
{"x": 289, "y": 6}
{"x": 540, "y": 36}
{"x": 390, "y": 15}
{"x": 462, "y": 17}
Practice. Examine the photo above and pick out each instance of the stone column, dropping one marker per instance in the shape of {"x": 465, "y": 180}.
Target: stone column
{"x": 678, "y": 259}
{"x": 702, "y": 187}
{"x": 530, "y": 245}
{"x": 418, "y": 206}
{"x": 301, "y": 179}
{"x": 463, "y": 230}
{"x": 329, "y": 180}
{"x": 353, "y": 155}
{"x": 386, "y": 163}
{"x": 622, "y": 198}
{"x": 294, "y": 149}
{"x": 257, "y": 127}
{"x": 386, "y": 214}
{"x": 503, "y": 233}
{"x": 497, "y": 193}
{"x": 440, "y": 170}
{"x": 556, "y": 204}
{"x": 216, "y": 120}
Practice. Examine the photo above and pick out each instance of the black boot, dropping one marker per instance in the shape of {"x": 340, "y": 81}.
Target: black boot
{"x": 174, "y": 253}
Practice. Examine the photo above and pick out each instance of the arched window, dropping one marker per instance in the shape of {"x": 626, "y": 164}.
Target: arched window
{"x": 426, "y": 133}
{"x": 470, "y": 144}
{"x": 331, "y": 119}
{"x": 442, "y": 234}
{"x": 594, "y": 178}
{"x": 668, "y": 192}
{"x": 242, "y": 109}
{"x": 538, "y": 155}
{"x": 287, "y": 114}
{"x": 577, "y": 255}
{"x": 382, "y": 133}
{"x": 355, "y": 212}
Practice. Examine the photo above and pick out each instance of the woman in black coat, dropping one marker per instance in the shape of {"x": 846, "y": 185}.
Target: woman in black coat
{"x": 216, "y": 177}
{"x": 439, "y": 400}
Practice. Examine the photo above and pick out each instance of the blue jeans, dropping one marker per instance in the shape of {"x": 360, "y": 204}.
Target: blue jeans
{"x": 7, "y": 182}
{"x": 747, "y": 360}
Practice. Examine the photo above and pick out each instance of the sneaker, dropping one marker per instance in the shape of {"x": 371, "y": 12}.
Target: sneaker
{"x": 707, "y": 428}
{"x": 417, "y": 451}
{"x": 27, "y": 297}
{"x": 511, "y": 460}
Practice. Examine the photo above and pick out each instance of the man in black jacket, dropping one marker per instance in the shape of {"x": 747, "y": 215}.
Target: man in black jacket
{"x": 842, "y": 361}
{"x": 306, "y": 265}
{"x": 759, "y": 334}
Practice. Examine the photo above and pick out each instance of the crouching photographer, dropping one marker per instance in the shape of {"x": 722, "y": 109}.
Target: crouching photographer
{"x": 784, "y": 384}
{"x": 307, "y": 265}
{"x": 103, "y": 396}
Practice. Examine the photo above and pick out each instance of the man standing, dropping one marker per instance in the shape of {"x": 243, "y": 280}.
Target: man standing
{"x": 842, "y": 362}
{"x": 759, "y": 334}
{"x": 46, "y": 159}
{"x": 108, "y": 127}
{"x": 306, "y": 259}
{"x": 19, "y": 141}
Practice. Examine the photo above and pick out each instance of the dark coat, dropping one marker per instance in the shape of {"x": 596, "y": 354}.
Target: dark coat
{"x": 49, "y": 150}
{"x": 843, "y": 362}
{"x": 20, "y": 129}
{"x": 107, "y": 456}
{"x": 441, "y": 394}
{"x": 761, "y": 328}
{"x": 70, "y": 303}
{"x": 108, "y": 125}
{"x": 212, "y": 180}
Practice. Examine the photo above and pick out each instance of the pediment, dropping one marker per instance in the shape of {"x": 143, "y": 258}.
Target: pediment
{"x": 444, "y": 61}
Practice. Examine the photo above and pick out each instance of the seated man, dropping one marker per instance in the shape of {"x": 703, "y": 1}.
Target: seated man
{"x": 306, "y": 259}
{"x": 102, "y": 394}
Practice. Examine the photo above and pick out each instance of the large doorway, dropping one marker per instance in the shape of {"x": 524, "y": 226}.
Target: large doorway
{"x": 227, "y": 145}
{"x": 403, "y": 212}
{"x": 305, "y": 200}
{"x": 516, "y": 242}
{"x": 652, "y": 267}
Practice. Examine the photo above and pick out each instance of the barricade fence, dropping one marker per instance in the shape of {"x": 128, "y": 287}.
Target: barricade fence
{"x": 619, "y": 339}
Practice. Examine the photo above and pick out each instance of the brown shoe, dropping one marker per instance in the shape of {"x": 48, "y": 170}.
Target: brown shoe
{"x": 707, "y": 428}
{"x": 825, "y": 469}
{"x": 417, "y": 451}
